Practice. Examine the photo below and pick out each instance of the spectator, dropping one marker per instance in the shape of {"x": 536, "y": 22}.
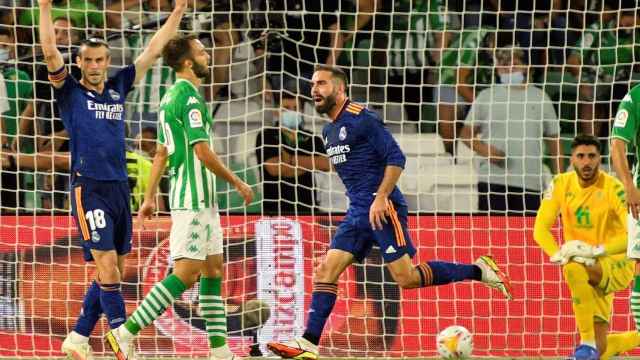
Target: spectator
{"x": 464, "y": 66}
{"x": 144, "y": 102}
{"x": 554, "y": 33}
{"x": 420, "y": 32}
{"x": 8, "y": 176}
{"x": 146, "y": 142}
{"x": 238, "y": 60}
{"x": 302, "y": 34}
{"x": 19, "y": 92}
{"x": 288, "y": 154}
{"x": 124, "y": 14}
{"x": 506, "y": 126}
{"x": 19, "y": 87}
{"x": 83, "y": 14}
{"x": 604, "y": 62}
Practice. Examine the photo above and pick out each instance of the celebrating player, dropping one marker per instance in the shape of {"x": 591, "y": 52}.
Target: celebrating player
{"x": 196, "y": 235}
{"x": 626, "y": 131}
{"x": 369, "y": 163}
{"x": 92, "y": 111}
{"x": 593, "y": 211}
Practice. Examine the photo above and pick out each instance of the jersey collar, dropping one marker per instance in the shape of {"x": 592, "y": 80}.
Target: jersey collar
{"x": 344, "y": 106}
{"x": 188, "y": 82}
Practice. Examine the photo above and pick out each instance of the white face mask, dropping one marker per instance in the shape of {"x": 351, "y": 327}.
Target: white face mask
{"x": 4, "y": 55}
{"x": 512, "y": 78}
{"x": 291, "y": 120}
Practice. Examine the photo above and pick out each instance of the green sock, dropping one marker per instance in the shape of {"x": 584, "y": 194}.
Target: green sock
{"x": 635, "y": 302}
{"x": 213, "y": 311}
{"x": 161, "y": 296}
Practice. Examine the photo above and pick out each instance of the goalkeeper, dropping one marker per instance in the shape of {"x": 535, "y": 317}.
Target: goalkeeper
{"x": 594, "y": 213}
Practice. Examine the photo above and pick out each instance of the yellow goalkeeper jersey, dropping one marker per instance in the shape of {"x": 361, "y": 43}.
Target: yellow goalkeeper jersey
{"x": 596, "y": 214}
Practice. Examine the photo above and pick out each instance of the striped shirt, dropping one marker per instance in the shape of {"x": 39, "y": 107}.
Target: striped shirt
{"x": 148, "y": 93}
{"x": 185, "y": 121}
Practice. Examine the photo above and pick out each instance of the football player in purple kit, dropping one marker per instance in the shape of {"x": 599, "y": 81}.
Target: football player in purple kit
{"x": 92, "y": 110}
{"x": 369, "y": 162}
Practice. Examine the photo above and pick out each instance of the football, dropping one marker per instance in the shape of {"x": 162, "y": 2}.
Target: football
{"x": 455, "y": 342}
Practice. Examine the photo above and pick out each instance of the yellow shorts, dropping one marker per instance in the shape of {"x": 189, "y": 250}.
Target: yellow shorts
{"x": 617, "y": 273}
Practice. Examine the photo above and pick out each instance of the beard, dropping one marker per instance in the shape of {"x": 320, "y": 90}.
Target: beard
{"x": 584, "y": 176}
{"x": 201, "y": 71}
{"x": 328, "y": 103}
{"x": 91, "y": 79}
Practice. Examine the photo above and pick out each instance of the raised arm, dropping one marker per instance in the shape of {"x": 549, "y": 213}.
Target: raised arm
{"x": 159, "y": 40}
{"x": 52, "y": 56}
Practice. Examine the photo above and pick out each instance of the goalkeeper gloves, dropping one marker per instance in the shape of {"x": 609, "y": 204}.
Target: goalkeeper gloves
{"x": 578, "y": 251}
{"x": 581, "y": 249}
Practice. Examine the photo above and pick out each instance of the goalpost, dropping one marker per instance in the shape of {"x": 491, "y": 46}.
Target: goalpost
{"x": 406, "y": 60}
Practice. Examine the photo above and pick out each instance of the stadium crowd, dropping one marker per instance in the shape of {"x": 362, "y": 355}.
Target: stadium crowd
{"x": 443, "y": 62}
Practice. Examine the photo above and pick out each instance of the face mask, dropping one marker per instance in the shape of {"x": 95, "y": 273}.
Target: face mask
{"x": 4, "y": 55}
{"x": 291, "y": 120}
{"x": 512, "y": 78}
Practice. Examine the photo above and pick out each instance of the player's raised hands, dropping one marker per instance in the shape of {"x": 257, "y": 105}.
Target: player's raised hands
{"x": 180, "y": 5}
{"x": 44, "y": 2}
{"x": 378, "y": 212}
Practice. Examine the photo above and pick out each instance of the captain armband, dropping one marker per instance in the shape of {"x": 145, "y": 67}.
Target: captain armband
{"x": 58, "y": 75}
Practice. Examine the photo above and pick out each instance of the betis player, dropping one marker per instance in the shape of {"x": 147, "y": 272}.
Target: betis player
{"x": 195, "y": 242}
{"x": 626, "y": 133}
{"x": 594, "y": 215}
{"x": 369, "y": 162}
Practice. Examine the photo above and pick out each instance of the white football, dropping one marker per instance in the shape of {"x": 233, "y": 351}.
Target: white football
{"x": 455, "y": 342}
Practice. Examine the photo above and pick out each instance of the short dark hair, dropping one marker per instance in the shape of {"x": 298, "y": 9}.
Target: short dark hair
{"x": 335, "y": 71}
{"x": 7, "y": 31}
{"x": 284, "y": 94}
{"x": 177, "y": 50}
{"x": 585, "y": 139}
{"x": 94, "y": 42}
{"x": 150, "y": 129}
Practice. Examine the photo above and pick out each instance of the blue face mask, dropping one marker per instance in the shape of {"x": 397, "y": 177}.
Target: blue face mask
{"x": 291, "y": 120}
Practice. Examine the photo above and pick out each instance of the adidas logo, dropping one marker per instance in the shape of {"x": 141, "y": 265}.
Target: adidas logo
{"x": 390, "y": 250}
{"x": 192, "y": 100}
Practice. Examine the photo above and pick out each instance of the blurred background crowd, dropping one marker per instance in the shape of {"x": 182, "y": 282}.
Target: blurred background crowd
{"x": 445, "y": 75}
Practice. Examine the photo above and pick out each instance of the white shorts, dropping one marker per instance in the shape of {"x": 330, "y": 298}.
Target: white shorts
{"x": 633, "y": 238}
{"x": 195, "y": 234}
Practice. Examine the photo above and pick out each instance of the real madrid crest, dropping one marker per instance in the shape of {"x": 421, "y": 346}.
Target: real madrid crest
{"x": 343, "y": 133}
{"x": 114, "y": 95}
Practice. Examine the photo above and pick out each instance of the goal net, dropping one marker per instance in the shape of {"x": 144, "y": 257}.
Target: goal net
{"x": 447, "y": 77}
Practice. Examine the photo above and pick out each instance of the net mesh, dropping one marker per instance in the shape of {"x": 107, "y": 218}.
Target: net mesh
{"x": 443, "y": 76}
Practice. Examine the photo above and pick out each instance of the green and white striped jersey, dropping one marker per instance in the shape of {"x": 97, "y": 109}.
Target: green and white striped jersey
{"x": 159, "y": 78}
{"x": 626, "y": 126}
{"x": 413, "y": 24}
{"x": 185, "y": 121}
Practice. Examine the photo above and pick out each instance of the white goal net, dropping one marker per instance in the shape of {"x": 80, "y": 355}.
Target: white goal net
{"x": 447, "y": 77}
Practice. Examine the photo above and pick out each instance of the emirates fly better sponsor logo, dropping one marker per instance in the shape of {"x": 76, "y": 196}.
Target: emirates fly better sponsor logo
{"x": 338, "y": 153}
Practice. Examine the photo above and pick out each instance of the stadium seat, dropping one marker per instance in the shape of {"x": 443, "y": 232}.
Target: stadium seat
{"x": 444, "y": 189}
{"x": 421, "y": 144}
